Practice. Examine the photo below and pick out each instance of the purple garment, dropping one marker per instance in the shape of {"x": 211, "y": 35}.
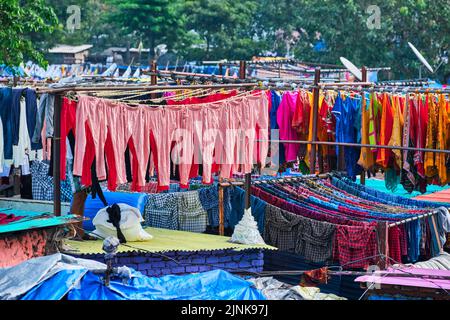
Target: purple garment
{"x": 285, "y": 114}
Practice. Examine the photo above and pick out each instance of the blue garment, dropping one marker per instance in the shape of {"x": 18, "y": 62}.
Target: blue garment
{"x": 276, "y": 101}
{"x": 44, "y": 113}
{"x": 209, "y": 198}
{"x": 380, "y": 196}
{"x": 15, "y": 108}
{"x": 6, "y": 115}
{"x": 237, "y": 208}
{"x": 161, "y": 211}
{"x": 414, "y": 231}
{"x": 31, "y": 107}
{"x": 348, "y": 129}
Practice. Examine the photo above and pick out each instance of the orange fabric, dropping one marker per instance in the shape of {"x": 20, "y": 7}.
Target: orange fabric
{"x": 387, "y": 122}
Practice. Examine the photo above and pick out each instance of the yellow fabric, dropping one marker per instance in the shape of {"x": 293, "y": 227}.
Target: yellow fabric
{"x": 167, "y": 240}
{"x": 443, "y": 139}
{"x": 310, "y": 128}
{"x": 429, "y": 162}
{"x": 366, "y": 159}
{"x": 373, "y": 111}
{"x": 396, "y": 137}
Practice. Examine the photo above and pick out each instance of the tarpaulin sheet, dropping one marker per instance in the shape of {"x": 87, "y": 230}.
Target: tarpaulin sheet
{"x": 18, "y": 280}
{"x": 34, "y": 220}
{"x": 212, "y": 285}
{"x": 57, "y": 276}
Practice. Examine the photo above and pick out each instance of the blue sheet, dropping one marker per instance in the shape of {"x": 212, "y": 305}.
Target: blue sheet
{"x": 211, "y": 285}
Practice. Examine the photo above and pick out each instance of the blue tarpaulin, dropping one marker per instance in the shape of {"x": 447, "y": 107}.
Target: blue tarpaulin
{"x": 68, "y": 278}
{"x": 212, "y": 285}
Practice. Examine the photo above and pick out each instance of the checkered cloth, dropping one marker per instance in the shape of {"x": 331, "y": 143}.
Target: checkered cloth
{"x": 161, "y": 211}
{"x": 191, "y": 215}
{"x": 394, "y": 244}
{"x": 355, "y": 246}
{"x": 315, "y": 241}
{"x": 209, "y": 198}
{"x": 281, "y": 228}
{"x": 42, "y": 183}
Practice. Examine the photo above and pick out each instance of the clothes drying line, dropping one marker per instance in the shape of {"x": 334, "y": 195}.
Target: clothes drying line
{"x": 357, "y": 145}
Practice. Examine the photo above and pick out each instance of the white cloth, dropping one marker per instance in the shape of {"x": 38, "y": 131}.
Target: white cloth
{"x": 130, "y": 224}
{"x": 246, "y": 231}
{"x": 20, "y": 151}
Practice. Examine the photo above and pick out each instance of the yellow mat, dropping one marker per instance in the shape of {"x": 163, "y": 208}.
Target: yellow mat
{"x": 166, "y": 240}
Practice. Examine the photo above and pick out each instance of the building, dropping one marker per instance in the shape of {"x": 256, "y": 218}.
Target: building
{"x": 65, "y": 54}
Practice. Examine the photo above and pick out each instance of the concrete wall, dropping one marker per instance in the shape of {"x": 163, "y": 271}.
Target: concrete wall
{"x": 179, "y": 262}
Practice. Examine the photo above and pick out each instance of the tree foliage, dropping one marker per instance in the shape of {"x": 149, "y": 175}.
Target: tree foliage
{"x": 19, "y": 20}
{"x": 310, "y": 30}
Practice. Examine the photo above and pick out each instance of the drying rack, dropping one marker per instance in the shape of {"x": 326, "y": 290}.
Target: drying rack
{"x": 316, "y": 87}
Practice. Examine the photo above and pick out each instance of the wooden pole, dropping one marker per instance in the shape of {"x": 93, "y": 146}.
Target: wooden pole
{"x": 56, "y": 146}
{"x": 382, "y": 230}
{"x": 153, "y": 77}
{"x": 315, "y": 112}
{"x": 221, "y": 212}
{"x": 436, "y": 234}
{"x": 363, "y": 173}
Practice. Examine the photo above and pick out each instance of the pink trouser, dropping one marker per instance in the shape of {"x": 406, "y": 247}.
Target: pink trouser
{"x": 90, "y": 112}
{"x": 160, "y": 128}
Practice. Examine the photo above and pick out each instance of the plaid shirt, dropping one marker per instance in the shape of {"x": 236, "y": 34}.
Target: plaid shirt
{"x": 42, "y": 183}
{"x": 209, "y": 198}
{"x": 315, "y": 241}
{"x": 161, "y": 211}
{"x": 394, "y": 244}
{"x": 355, "y": 243}
{"x": 191, "y": 215}
{"x": 281, "y": 228}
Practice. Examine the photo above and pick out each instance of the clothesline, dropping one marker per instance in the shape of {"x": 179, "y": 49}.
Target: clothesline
{"x": 358, "y": 145}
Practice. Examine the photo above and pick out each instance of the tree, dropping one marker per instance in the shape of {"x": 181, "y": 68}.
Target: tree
{"x": 152, "y": 21}
{"x": 224, "y": 26}
{"x": 18, "y": 20}
{"x": 342, "y": 29}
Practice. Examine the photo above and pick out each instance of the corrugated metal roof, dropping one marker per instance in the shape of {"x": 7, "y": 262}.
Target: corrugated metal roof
{"x": 165, "y": 240}
{"x": 70, "y": 49}
{"x": 34, "y": 220}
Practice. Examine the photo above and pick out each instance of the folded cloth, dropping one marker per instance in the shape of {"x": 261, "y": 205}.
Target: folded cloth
{"x": 130, "y": 224}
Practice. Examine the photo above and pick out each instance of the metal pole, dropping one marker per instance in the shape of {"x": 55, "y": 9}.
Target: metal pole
{"x": 57, "y": 155}
{"x": 364, "y": 79}
{"x": 316, "y": 93}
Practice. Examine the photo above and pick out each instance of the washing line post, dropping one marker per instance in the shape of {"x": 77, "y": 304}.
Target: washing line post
{"x": 363, "y": 79}
{"x": 315, "y": 112}
{"x": 221, "y": 211}
{"x": 153, "y": 77}
{"x": 56, "y": 146}
{"x": 382, "y": 230}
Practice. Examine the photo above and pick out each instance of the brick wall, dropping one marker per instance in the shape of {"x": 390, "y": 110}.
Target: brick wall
{"x": 17, "y": 247}
{"x": 182, "y": 262}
